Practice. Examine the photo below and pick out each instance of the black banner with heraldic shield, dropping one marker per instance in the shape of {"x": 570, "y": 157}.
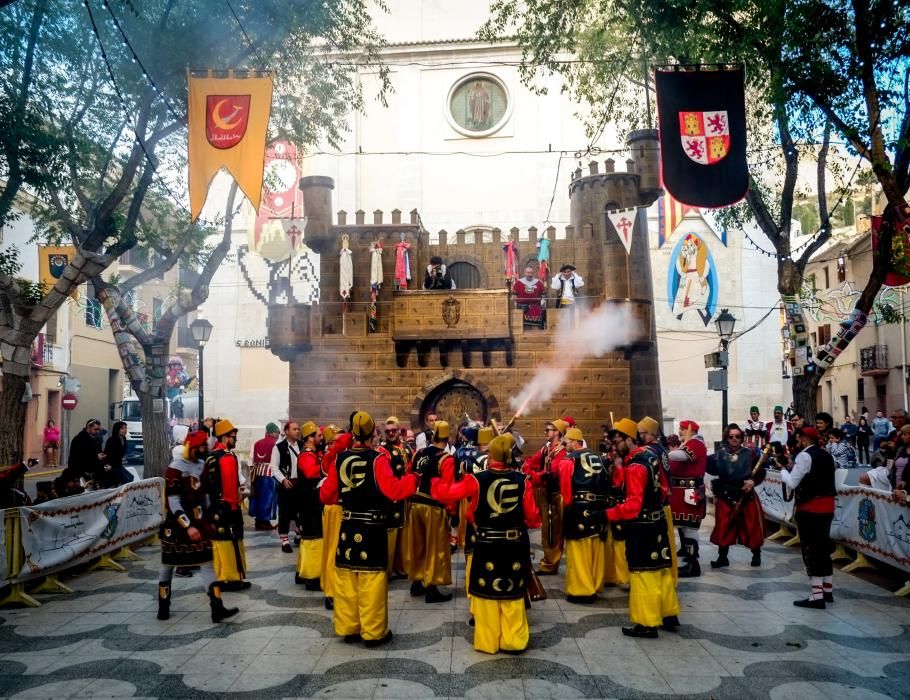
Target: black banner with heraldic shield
{"x": 702, "y": 115}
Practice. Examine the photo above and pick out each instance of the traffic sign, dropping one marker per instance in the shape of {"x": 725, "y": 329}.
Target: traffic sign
{"x": 69, "y": 402}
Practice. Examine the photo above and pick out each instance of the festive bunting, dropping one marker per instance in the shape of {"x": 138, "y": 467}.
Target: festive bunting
{"x": 227, "y": 119}
{"x": 703, "y": 135}
{"x": 623, "y": 221}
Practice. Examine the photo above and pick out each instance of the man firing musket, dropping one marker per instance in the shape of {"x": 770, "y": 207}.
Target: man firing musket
{"x": 538, "y": 468}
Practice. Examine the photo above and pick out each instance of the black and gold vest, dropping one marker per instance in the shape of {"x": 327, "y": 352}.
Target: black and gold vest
{"x": 647, "y": 538}
{"x": 400, "y": 457}
{"x": 426, "y": 465}
{"x": 363, "y": 544}
{"x": 501, "y": 561}
{"x": 584, "y": 517}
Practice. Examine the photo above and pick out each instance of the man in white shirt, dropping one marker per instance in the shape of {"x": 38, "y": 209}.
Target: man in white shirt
{"x": 567, "y": 283}
{"x": 423, "y": 440}
{"x": 283, "y": 465}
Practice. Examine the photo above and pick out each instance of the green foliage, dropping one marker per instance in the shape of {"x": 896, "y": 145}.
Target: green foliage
{"x": 72, "y": 139}
{"x": 30, "y": 293}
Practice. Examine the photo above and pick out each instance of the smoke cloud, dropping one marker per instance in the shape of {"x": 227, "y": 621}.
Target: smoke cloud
{"x": 597, "y": 332}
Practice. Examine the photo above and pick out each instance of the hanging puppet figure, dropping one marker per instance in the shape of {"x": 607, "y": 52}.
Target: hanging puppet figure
{"x": 543, "y": 256}
{"x": 375, "y": 283}
{"x": 176, "y": 377}
{"x": 345, "y": 269}
{"x": 693, "y": 272}
{"x": 510, "y": 261}
{"x": 402, "y": 264}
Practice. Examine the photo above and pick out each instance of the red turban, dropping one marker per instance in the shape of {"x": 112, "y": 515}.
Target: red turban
{"x": 197, "y": 438}
{"x": 688, "y": 425}
{"x": 569, "y": 420}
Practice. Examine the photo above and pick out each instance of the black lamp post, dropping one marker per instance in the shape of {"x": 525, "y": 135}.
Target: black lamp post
{"x": 725, "y": 322}
{"x": 202, "y": 331}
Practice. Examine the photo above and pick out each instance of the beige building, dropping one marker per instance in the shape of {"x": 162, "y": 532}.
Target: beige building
{"x": 872, "y": 371}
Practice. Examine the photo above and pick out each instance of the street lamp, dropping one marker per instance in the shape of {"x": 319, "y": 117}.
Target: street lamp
{"x": 725, "y": 322}
{"x": 202, "y": 331}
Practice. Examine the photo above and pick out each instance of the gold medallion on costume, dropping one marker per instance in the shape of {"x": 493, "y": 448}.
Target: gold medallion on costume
{"x": 352, "y": 472}
{"x": 500, "y": 499}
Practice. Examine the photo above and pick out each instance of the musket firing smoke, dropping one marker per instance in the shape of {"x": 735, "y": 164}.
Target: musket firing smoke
{"x": 597, "y": 332}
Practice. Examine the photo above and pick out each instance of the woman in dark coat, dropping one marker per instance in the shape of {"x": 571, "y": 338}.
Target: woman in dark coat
{"x": 112, "y": 473}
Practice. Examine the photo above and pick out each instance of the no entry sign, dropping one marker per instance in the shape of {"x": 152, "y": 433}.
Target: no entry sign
{"x": 69, "y": 402}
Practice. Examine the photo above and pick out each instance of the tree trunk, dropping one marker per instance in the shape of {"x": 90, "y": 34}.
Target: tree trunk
{"x": 156, "y": 434}
{"x": 805, "y": 393}
{"x": 12, "y": 419}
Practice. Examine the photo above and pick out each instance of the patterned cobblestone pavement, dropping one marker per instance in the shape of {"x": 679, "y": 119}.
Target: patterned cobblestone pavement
{"x": 741, "y": 638}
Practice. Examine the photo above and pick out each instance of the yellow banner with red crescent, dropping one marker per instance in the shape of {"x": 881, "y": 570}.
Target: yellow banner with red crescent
{"x": 228, "y": 121}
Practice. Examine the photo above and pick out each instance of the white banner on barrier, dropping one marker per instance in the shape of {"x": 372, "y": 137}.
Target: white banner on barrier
{"x": 772, "y": 498}
{"x": 874, "y": 523}
{"x": 865, "y": 520}
{"x": 69, "y": 531}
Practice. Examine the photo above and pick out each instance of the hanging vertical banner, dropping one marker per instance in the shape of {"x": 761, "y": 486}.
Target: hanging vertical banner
{"x": 623, "y": 221}
{"x": 228, "y": 119}
{"x": 702, "y": 117}
{"x": 52, "y": 261}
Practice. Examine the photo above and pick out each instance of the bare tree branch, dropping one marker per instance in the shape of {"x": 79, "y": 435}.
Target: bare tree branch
{"x": 200, "y": 291}
{"x": 763, "y": 217}
{"x": 157, "y": 270}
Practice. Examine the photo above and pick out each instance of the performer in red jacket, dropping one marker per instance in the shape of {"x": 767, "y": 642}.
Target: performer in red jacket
{"x": 687, "y": 494}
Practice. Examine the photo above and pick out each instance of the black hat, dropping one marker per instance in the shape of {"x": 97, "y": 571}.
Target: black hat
{"x": 567, "y": 266}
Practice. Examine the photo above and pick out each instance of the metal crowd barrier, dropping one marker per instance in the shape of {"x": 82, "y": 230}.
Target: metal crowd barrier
{"x": 94, "y": 528}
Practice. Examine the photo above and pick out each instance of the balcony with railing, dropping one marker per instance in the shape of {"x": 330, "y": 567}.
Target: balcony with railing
{"x": 874, "y": 361}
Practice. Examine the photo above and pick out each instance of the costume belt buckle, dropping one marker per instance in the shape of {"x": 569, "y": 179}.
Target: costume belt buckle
{"x": 512, "y": 534}
{"x": 345, "y": 515}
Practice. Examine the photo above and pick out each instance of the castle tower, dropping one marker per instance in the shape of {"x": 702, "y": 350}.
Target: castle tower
{"x": 622, "y": 278}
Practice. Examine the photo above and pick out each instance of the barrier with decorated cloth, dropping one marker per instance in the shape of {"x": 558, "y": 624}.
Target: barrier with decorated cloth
{"x": 870, "y": 522}
{"x": 96, "y": 526}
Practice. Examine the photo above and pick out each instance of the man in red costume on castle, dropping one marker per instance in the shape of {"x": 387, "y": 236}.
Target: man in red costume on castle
{"x": 687, "y": 495}
{"x": 529, "y": 297}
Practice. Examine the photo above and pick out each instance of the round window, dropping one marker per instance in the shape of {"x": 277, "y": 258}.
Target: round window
{"x": 478, "y": 105}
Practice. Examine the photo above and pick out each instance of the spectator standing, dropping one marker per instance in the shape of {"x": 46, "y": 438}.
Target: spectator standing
{"x": 823, "y": 424}
{"x": 881, "y": 427}
{"x": 111, "y": 472}
{"x": 779, "y": 429}
{"x": 848, "y": 427}
{"x": 901, "y": 471}
{"x": 51, "y": 443}
{"x": 85, "y": 457}
{"x": 863, "y": 433}
{"x": 842, "y": 451}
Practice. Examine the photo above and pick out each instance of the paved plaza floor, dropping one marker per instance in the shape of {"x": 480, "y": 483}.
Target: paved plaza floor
{"x": 741, "y": 638}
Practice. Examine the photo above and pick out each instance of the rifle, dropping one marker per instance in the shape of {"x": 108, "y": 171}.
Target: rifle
{"x": 758, "y": 465}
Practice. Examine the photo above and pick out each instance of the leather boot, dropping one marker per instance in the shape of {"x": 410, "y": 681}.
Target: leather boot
{"x": 691, "y": 568}
{"x": 721, "y": 560}
{"x": 219, "y": 612}
{"x": 434, "y": 595}
{"x": 756, "y": 557}
{"x": 164, "y": 600}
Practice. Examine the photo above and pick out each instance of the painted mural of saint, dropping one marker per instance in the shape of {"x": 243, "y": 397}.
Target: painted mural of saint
{"x": 693, "y": 286}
